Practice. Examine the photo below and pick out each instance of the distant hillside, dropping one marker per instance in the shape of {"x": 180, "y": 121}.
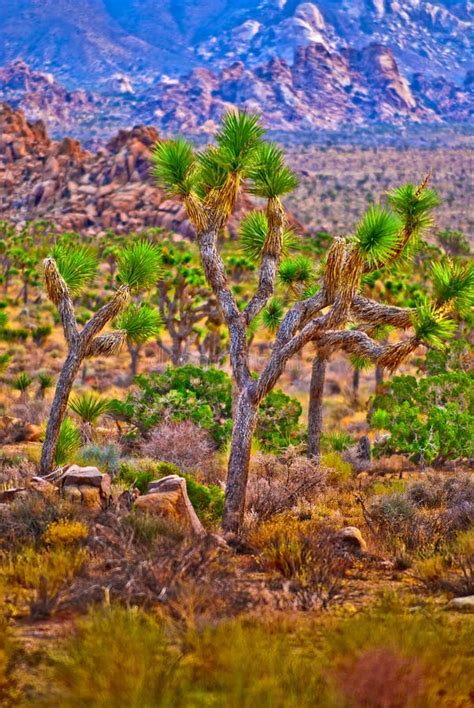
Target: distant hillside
{"x": 180, "y": 64}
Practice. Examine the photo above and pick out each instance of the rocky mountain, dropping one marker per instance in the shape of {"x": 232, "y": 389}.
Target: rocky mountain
{"x": 98, "y": 64}
{"x": 81, "y": 190}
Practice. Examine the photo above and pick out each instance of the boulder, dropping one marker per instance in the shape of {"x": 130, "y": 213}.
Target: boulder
{"x": 15, "y": 430}
{"x": 42, "y": 486}
{"x": 86, "y": 485}
{"x": 462, "y": 604}
{"x": 168, "y": 497}
{"x": 351, "y": 537}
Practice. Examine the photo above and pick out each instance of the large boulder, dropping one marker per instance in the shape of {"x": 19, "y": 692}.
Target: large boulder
{"x": 168, "y": 497}
{"x": 87, "y": 486}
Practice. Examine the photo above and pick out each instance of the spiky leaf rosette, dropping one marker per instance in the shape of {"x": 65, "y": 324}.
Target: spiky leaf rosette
{"x": 237, "y": 140}
{"x": 295, "y": 271}
{"x": 139, "y": 322}
{"x": 174, "y": 166}
{"x": 140, "y": 265}
{"x": 69, "y": 442}
{"x": 432, "y": 325}
{"x": 212, "y": 174}
{"x": 253, "y": 231}
{"x": 77, "y": 266}
{"x": 361, "y": 363}
{"x": 270, "y": 177}
{"x": 414, "y": 205}
{"x": 22, "y": 381}
{"x": 377, "y": 235}
{"x": 272, "y": 315}
{"x": 89, "y": 406}
{"x": 454, "y": 283}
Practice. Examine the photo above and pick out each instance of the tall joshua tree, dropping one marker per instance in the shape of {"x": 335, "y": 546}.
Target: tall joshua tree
{"x": 208, "y": 183}
{"x": 66, "y": 272}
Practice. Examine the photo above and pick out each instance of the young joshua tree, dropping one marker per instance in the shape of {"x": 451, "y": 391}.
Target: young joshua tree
{"x": 208, "y": 183}
{"x": 65, "y": 274}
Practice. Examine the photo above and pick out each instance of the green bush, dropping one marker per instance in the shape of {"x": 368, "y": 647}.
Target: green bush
{"x": 431, "y": 420}
{"x": 208, "y": 501}
{"x": 204, "y": 396}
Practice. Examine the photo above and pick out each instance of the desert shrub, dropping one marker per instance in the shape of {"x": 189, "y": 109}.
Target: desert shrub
{"x": 339, "y": 471}
{"x": 204, "y": 396}
{"x": 9, "y": 693}
{"x": 453, "y": 571}
{"x": 184, "y": 444}
{"x": 306, "y": 552}
{"x": 137, "y": 473}
{"x": 431, "y": 420}
{"x": 65, "y": 532}
{"x": 136, "y": 662}
{"x": 147, "y": 528}
{"x": 105, "y": 457}
{"x": 33, "y": 577}
{"x": 278, "y": 421}
{"x": 278, "y": 482}
{"x": 336, "y": 442}
{"x": 27, "y": 519}
{"x": 426, "y": 516}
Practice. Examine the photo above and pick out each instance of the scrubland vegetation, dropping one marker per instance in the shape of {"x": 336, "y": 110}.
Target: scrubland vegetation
{"x": 316, "y": 396}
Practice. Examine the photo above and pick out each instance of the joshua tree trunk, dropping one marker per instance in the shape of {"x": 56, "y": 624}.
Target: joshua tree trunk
{"x": 58, "y": 410}
{"x": 245, "y": 417}
{"x": 378, "y": 377}
{"x": 355, "y": 382}
{"x": 315, "y": 413}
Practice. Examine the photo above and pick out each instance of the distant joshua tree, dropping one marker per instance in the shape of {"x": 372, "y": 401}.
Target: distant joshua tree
{"x": 66, "y": 272}
{"x": 208, "y": 183}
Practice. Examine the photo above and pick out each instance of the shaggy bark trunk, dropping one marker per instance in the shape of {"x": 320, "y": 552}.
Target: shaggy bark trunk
{"x": 355, "y": 381}
{"x": 315, "y": 413}
{"x": 378, "y": 378}
{"x": 245, "y": 417}
{"x": 58, "y": 410}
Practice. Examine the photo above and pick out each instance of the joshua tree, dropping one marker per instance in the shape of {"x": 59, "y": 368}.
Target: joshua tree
{"x": 21, "y": 383}
{"x": 183, "y": 301}
{"x": 89, "y": 407}
{"x": 208, "y": 184}
{"x": 45, "y": 381}
{"x": 66, "y": 273}
{"x": 141, "y": 323}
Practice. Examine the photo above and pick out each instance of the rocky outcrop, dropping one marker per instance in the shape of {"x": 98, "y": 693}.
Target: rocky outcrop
{"x": 168, "y": 498}
{"x": 86, "y": 486}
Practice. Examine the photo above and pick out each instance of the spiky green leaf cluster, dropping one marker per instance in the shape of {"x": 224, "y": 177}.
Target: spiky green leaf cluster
{"x": 454, "y": 282}
{"x": 140, "y": 322}
{"x": 433, "y": 326}
{"x": 4, "y": 360}
{"x": 272, "y": 314}
{"x": 22, "y": 381}
{"x": 140, "y": 265}
{"x": 174, "y": 166}
{"x": 212, "y": 173}
{"x": 253, "y": 231}
{"x": 76, "y": 264}
{"x": 238, "y": 139}
{"x": 377, "y": 235}
{"x": 361, "y": 363}
{"x": 269, "y": 176}
{"x": 89, "y": 406}
{"x": 295, "y": 271}
{"x": 414, "y": 206}
{"x": 69, "y": 442}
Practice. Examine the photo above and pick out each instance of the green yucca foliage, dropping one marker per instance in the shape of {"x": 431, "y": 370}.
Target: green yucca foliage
{"x": 89, "y": 406}
{"x": 45, "y": 380}
{"x": 414, "y": 205}
{"x": 4, "y": 360}
{"x": 295, "y": 271}
{"x": 377, "y": 235}
{"x": 140, "y": 322}
{"x": 69, "y": 442}
{"x": 454, "y": 283}
{"x": 432, "y": 325}
{"x": 22, "y": 381}
{"x": 237, "y": 140}
{"x": 360, "y": 362}
{"x": 174, "y": 166}
{"x": 270, "y": 177}
{"x": 140, "y": 265}
{"x": 212, "y": 174}
{"x": 272, "y": 314}
{"x": 253, "y": 230}
{"x": 76, "y": 264}
{"x": 3, "y": 319}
